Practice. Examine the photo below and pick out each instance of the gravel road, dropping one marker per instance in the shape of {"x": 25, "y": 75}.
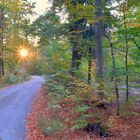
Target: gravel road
{"x": 15, "y": 104}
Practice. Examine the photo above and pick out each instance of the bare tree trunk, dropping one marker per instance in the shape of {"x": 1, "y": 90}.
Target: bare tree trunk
{"x": 73, "y": 61}
{"x": 76, "y": 58}
{"x": 98, "y": 44}
{"x": 89, "y": 65}
{"x": 1, "y": 67}
{"x": 126, "y": 56}
{"x": 114, "y": 75}
{"x": 98, "y": 39}
{"x": 1, "y": 41}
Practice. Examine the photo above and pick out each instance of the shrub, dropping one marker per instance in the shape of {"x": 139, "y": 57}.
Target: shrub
{"x": 55, "y": 126}
{"x": 18, "y": 75}
{"x": 126, "y": 107}
{"x": 10, "y": 78}
{"x": 72, "y": 95}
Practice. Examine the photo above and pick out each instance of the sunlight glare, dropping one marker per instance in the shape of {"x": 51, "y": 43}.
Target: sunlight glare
{"x": 23, "y": 52}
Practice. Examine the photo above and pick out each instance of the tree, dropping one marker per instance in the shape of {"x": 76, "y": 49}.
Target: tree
{"x": 1, "y": 37}
{"x": 98, "y": 38}
{"x": 12, "y": 25}
{"x": 98, "y": 45}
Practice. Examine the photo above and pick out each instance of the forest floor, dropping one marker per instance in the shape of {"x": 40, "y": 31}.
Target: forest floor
{"x": 123, "y": 127}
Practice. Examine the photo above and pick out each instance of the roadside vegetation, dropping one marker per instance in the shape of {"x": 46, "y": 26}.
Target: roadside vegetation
{"x": 12, "y": 78}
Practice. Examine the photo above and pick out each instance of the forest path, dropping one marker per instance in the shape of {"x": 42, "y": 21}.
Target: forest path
{"x": 15, "y": 104}
{"x": 133, "y": 91}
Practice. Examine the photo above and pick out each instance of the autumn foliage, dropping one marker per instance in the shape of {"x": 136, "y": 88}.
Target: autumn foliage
{"x": 60, "y": 113}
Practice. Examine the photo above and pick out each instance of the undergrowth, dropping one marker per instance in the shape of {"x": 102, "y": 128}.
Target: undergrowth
{"x": 72, "y": 105}
{"x": 18, "y": 75}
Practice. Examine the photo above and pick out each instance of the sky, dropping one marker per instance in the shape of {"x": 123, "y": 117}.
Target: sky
{"x": 41, "y": 6}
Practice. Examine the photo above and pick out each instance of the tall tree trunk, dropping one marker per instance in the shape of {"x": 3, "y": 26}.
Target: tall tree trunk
{"x": 89, "y": 65}
{"x": 73, "y": 61}
{"x": 114, "y": 75}
{"x": 126, "y": 56}
{"x": 76, "y": 57}
{"x": 98, "y": 39}
{"x": 98, "y": 44}
{"x": 1, "y": 41}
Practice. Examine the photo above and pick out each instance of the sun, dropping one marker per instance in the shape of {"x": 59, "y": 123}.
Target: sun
{"x": 23, "y": 52}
